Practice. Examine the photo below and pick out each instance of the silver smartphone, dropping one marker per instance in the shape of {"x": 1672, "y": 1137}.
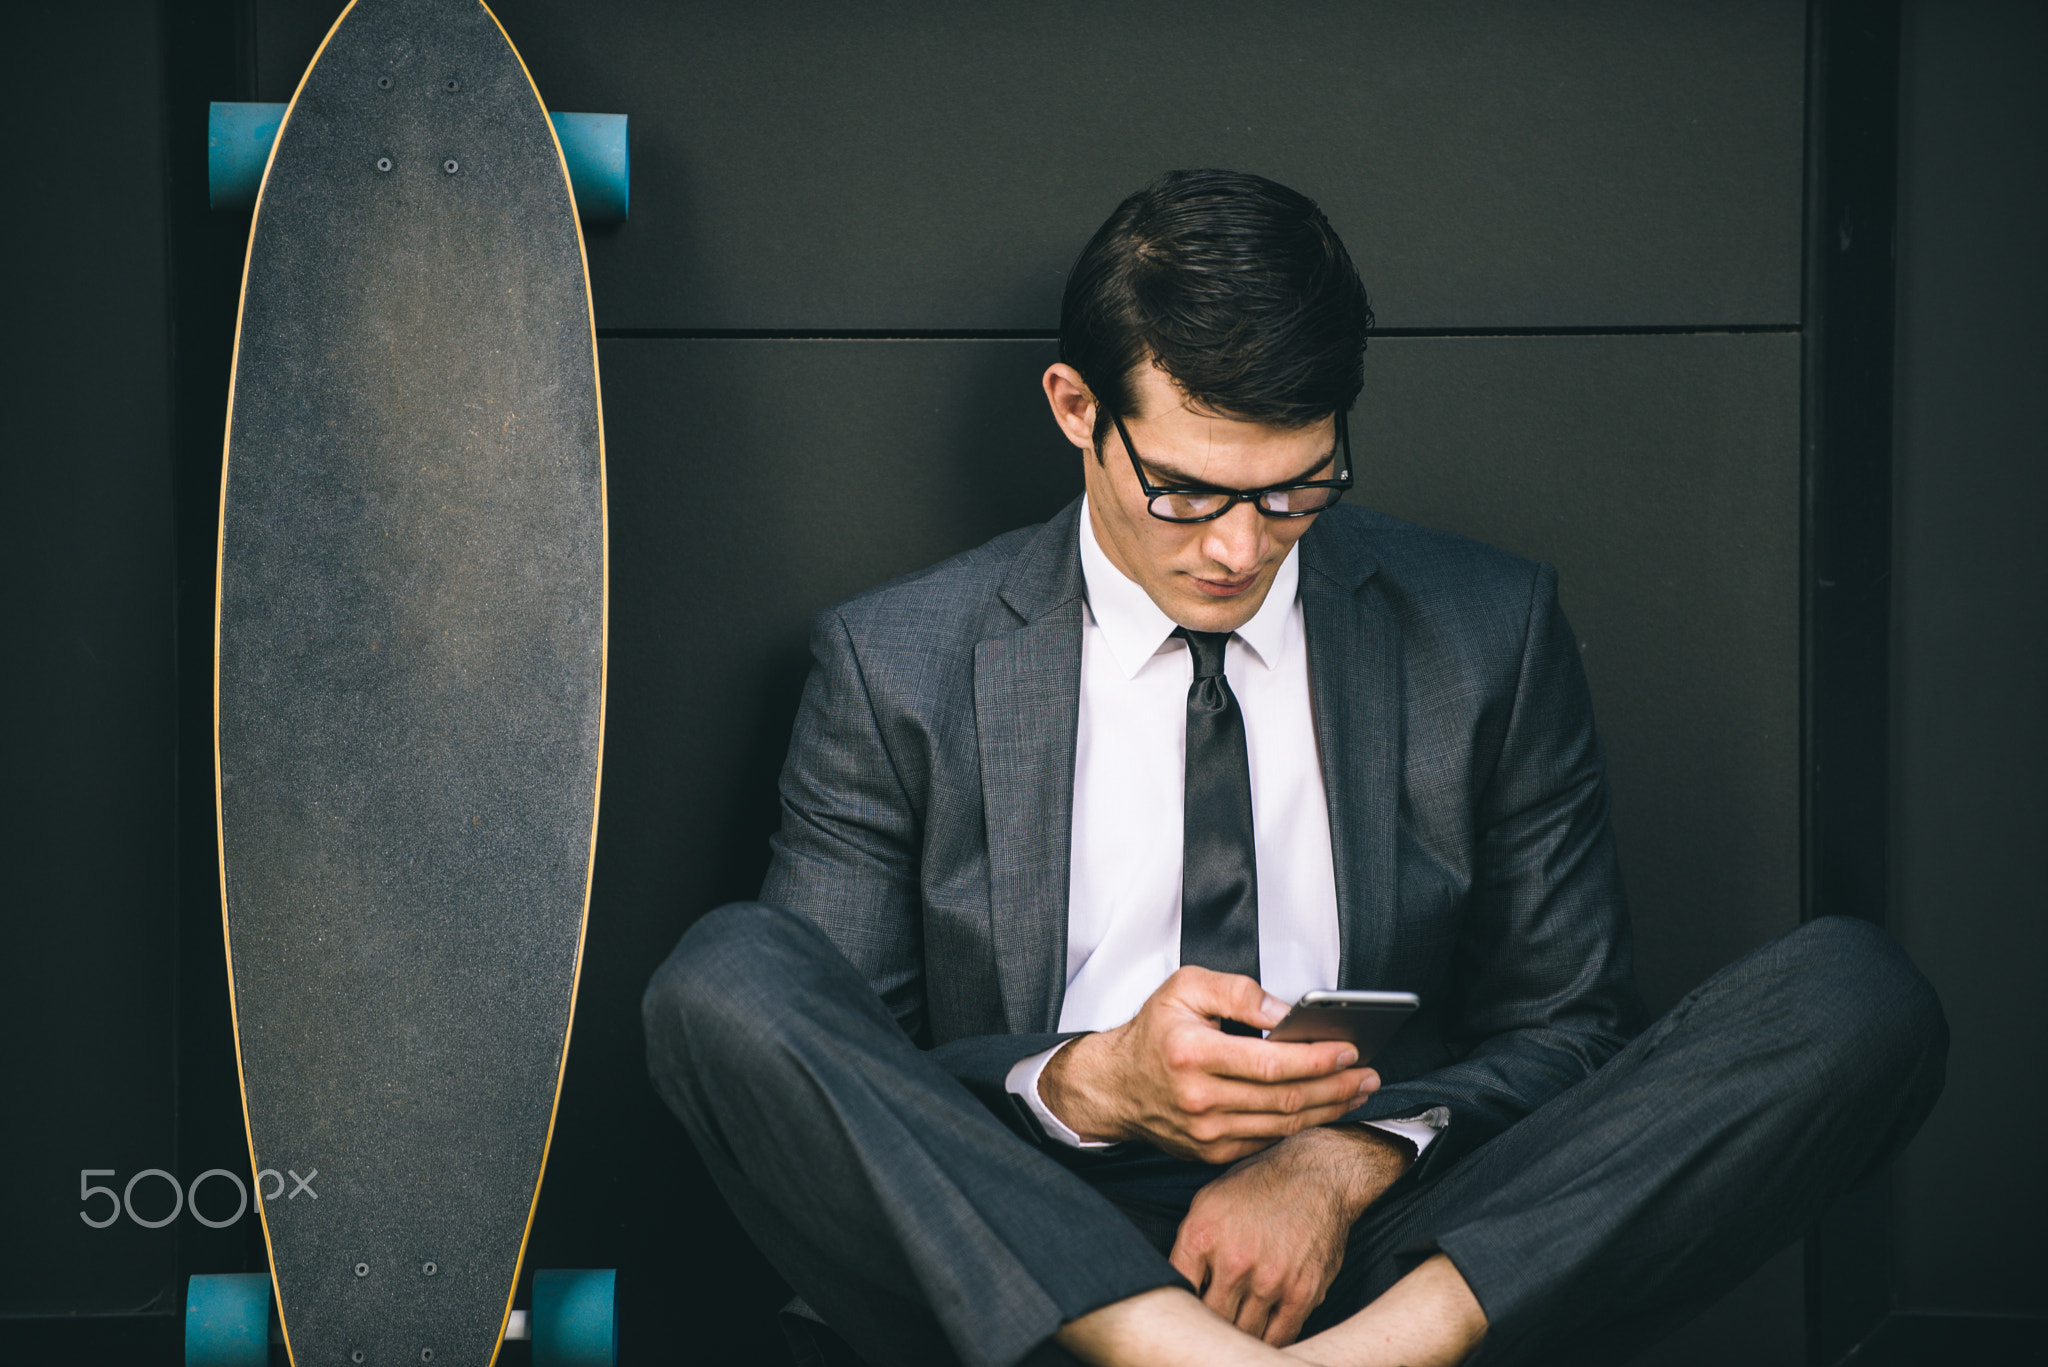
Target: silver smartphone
{"x": 1367, "y": 1019}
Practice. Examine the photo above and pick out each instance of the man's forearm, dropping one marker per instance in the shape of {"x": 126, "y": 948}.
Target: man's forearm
{"x": 1068, "y": 1088}
{"x": 1358, "y": 1161}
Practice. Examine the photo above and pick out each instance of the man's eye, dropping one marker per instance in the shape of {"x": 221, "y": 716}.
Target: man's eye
{"x": 1191, "y": 503}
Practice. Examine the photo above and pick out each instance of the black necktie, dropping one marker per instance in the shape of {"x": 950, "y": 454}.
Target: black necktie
{"x": 1219, "y": 881}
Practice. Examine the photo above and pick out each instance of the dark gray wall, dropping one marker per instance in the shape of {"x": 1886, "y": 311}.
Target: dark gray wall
{"x": 1494, "y": 164}
{"x": 87, "y": 981}
{"x": 112, "y": 982}
{"x": 1970, "y": 624}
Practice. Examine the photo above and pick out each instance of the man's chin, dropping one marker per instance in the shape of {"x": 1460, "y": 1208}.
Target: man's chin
{"x": 1199, "y": 611}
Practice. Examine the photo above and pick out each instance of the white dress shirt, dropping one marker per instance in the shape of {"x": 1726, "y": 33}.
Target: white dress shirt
{"x": 1123, "y": 891}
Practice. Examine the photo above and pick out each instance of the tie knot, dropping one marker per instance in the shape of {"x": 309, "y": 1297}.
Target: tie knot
{"x": 1207, "y": 648}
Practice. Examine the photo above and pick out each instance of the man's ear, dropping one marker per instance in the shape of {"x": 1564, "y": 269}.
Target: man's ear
{"x": 1073, "y": 405}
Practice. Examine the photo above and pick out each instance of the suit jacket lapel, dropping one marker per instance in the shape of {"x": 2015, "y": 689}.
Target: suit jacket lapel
{"x": 1355, "y": 681}
{"x": 1027, "y": 691}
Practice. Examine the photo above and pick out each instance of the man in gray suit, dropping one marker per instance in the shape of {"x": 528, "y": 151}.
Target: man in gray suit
{"x": 1070, "y": 819}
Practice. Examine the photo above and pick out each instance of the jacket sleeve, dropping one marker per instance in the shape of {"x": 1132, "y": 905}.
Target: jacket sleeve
{"x": 847, "y": 853}
{"x": 1542, "y": 989}
{"x": 848, "y": 856}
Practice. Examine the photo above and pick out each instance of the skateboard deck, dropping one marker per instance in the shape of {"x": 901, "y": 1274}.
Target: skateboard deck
{"x": 409, "y": 679}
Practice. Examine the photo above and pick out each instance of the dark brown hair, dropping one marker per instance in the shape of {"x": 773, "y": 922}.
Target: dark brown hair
{"x": 1235, "y": 286}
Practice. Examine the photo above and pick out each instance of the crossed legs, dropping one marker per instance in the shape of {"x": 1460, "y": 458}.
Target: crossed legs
{"x": 1631, "y": 1202}
{"x": 924, "y": 1231}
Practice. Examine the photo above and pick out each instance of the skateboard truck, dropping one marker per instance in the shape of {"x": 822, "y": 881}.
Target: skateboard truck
{"x": 239, "y": 137}
{"x": 574, "y": 1321}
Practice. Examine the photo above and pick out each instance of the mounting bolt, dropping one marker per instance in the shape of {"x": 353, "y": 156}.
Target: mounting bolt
{"x": 383, "y": 163}
{"x": 451, "y": 166}
{"x": 383, "y": 83}
{"x": 453, "y": 85}
{"x": 356, "y": 1356}
{"x": 429, "y": 1268}
{"x": 426, "y": 1355}
{"x": 362, "y": 1269}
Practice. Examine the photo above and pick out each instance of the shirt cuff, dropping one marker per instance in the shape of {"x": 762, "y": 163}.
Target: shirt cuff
{"x": 1022, "y": 1083}
{"x": 1421, "y": 1131}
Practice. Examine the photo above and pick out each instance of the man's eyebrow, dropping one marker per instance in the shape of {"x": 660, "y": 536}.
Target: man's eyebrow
{"x": 1180, "y": 479}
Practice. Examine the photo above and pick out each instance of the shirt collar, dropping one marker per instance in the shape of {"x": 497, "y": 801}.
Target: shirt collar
{"x": 1134, "y": 628}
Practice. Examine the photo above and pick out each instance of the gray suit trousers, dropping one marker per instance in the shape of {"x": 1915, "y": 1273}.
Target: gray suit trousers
{"x": 925, "y": 1231}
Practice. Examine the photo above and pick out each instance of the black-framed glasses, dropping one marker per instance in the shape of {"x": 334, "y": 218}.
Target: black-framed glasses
{"x": 1201, "y": 504}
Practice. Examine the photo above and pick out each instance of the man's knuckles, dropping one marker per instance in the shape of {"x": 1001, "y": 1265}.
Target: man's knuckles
{"x": 1201, "y": 988}
{"x": 1222, "y": 1151}
{"x": 1270, "y": 1283}
{"x": 1234, "y": 1267}
{"x": 1185, "y": 1051}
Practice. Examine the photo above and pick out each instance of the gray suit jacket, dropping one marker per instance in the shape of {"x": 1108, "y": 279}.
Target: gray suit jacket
{"x": 928, "y": 796}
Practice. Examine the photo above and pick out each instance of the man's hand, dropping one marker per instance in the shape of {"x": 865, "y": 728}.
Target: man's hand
{"x": 1263, "y": 1242}
{"x": 1170, "y": 1076}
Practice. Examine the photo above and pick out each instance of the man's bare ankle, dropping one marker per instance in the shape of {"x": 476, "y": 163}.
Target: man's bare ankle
{"x": 1429, "y": 1318}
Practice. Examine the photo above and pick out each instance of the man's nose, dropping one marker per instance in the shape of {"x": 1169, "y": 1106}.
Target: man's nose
{"x": 1236, "y": 539}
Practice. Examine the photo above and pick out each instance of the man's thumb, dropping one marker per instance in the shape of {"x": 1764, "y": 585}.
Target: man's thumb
{"x": 1232, "y": 996}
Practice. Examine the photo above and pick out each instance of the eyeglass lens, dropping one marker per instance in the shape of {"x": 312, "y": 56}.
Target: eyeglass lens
{"x": 1193, "y": 506}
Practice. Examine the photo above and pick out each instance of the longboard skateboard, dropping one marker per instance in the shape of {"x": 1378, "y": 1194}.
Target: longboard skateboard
{"x": 409, "y": 689}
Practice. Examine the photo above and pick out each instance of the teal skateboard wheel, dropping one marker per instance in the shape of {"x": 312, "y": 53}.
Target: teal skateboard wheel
{"x": 239, "y": 138}
{"x": 575, "y": 1318}
{"x": 594, "y": 145}
{"x": 227, "y": 1320}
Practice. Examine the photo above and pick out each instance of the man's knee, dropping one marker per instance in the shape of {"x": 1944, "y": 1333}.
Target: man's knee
{"x": 1863, "y": 975}
{"x": 716, "y": 986}
{"x": 1873, "y": 1014}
